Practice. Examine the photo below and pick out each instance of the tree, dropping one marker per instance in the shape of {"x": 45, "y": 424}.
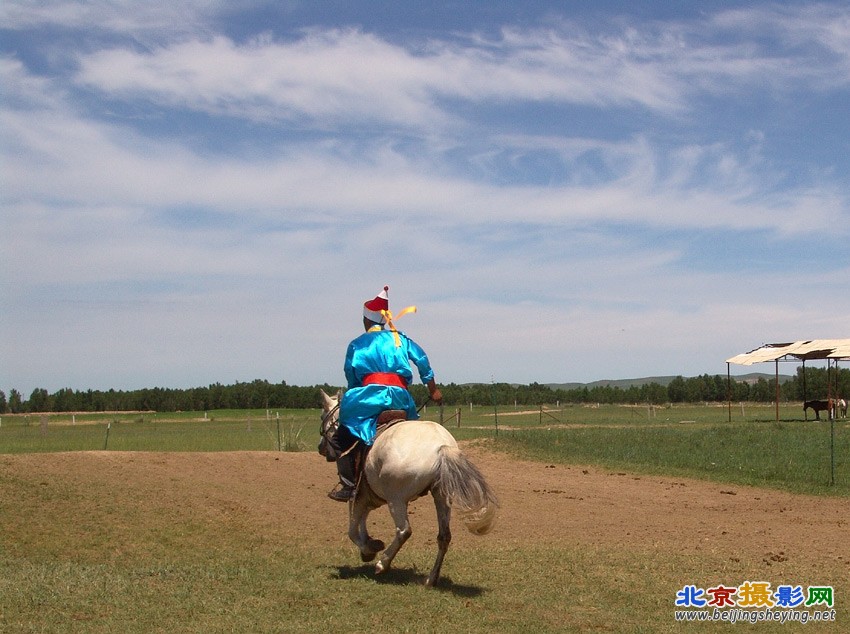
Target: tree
{"x": 676, "y": 390}
{"x": 65, "y": 400}
{"x": 656, "y": 394}
{"x": 39, "y": 400}
{"x": 16, "y": 403}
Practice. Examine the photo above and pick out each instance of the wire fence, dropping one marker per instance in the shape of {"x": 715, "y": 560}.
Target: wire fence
{"x": 695, "y": 439}
{"x": 248, "y": 431}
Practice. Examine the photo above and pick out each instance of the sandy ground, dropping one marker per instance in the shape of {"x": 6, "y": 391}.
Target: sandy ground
{"x": 282, "y": 496}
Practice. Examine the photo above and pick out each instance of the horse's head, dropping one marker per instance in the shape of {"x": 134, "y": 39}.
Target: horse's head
{"x": 330, "y": 414}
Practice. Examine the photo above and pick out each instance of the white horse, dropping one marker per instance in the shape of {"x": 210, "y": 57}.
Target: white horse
{"x": 407, "y": 461}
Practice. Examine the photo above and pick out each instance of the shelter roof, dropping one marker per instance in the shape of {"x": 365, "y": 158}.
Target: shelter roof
{"x": 795, "y": 350}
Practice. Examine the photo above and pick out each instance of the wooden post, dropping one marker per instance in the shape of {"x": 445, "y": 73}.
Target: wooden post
{"x": 278, "y": 430}
{"x": 729, "y": 389}
{"x": 805, "y": 393}
{"x": 777, "y": 390}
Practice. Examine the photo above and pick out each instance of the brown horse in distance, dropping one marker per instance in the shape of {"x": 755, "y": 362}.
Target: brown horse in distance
{"x": 818, "y": 407}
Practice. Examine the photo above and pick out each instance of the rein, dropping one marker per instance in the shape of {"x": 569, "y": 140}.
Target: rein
{"x": 325, "y": 426}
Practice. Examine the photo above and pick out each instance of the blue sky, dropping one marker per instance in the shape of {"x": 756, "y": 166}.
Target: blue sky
{"x": 200, "y": 192}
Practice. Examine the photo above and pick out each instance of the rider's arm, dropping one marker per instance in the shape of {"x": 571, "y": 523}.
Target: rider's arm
{"x": 436, "y": 394}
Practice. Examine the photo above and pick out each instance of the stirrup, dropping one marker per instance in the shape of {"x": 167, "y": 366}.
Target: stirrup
{"x": 341, "y": 493}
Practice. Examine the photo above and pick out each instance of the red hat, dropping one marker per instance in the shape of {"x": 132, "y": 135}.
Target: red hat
{"x": 373, "y": 307}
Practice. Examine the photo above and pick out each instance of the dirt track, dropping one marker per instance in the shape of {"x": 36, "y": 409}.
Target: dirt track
{"x": 282, "y": 496}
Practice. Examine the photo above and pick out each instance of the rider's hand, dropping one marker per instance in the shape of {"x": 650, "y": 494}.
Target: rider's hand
{"x": 437, "y": 396}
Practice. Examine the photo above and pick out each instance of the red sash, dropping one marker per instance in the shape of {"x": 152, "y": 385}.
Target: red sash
{"x": 384, "y": 378}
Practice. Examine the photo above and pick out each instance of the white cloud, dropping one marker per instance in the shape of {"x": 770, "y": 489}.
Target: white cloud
{"x": 817, "y": 36}
{"x": 124, "y": 17}
{"x": 536, "y": 253}
{"x": 338, "y": 76}
{"x": 60, "y": 156}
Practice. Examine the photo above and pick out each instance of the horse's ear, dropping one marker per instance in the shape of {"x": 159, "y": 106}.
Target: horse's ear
{"x": 339, "y": 395}
{"x": 326, "y": 400}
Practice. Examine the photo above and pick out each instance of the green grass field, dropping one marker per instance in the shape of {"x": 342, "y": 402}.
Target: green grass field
{"x": 222, "y": 430}
{"x": 534, "y": 589}
{"x": 97, "y": 553}
{"x": 692, "y": 441}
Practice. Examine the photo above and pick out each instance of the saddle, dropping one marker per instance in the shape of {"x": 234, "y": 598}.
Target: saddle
{"x": 389, "y": 417}
{"x": 385, "y": 420}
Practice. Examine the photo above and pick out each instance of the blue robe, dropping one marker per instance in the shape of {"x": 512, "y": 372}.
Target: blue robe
{"x": 372, "y": 352}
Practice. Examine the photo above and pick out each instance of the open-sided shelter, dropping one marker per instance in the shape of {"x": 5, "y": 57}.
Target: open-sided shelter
{"x": 832, "y": 350}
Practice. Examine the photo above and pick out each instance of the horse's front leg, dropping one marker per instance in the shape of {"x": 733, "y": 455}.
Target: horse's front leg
{"x": 358, "y": 511}
{"x": 398, "y": 510}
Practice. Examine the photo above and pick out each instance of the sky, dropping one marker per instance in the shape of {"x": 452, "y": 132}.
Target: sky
{"x": 200, "y": 192}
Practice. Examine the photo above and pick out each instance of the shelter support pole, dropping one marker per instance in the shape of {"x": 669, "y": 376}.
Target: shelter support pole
{"x": 729, "y": 389}
{"x": 829, "y": 387}
{"x": 832, "y": 451}
{"x": 805, "y": 393}
{"x": 831, "y": 381}
{"x": 833, "y": 410}
{"x": 777, "y": 389}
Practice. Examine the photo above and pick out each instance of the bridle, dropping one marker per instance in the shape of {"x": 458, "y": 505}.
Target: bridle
{"x": 330, "y": 422}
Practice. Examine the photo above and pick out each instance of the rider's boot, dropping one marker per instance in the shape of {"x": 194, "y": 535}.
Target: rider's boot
{"x": 345, "y": 469}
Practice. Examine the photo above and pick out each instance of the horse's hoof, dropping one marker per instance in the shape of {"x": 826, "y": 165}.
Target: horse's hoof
{"x": 379, "y": 567}
{"x": 375, "y": 545}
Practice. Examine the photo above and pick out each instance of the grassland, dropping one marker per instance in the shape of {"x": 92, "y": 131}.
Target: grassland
{"x": 697, "y": 441}
{"x": 98, "y": 542}
{"x": 217, "y": 522}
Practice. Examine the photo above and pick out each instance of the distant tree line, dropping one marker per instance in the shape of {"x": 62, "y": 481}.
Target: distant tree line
{"x": 257, "y": 394}
{"x": 700, "y": 389}
{"x": 260, "y": 394}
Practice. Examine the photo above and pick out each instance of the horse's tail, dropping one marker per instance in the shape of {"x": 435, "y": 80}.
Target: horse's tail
{"x": 466, "y": 489}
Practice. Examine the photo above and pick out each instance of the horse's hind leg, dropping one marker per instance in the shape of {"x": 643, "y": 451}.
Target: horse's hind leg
{"x": 398, "y": 510}
{"x": 444, "y": 536}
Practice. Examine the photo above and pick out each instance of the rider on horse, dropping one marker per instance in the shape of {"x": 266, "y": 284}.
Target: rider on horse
{"x": 377, "y": 369}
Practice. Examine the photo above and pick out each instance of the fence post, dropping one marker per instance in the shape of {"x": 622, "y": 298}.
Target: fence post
{"x": 278, "y": 431}
{"x": 832, "y": 452}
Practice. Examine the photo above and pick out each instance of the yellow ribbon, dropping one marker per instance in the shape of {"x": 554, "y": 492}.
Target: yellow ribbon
{"x": 389, "y": 317}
